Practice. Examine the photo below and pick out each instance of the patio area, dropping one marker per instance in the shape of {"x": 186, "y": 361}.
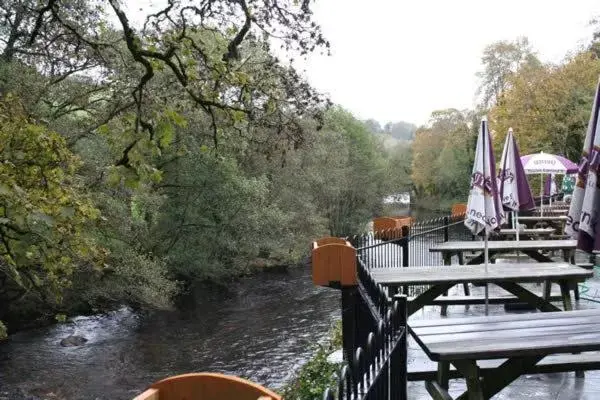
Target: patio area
{"x": 556, "y": 386}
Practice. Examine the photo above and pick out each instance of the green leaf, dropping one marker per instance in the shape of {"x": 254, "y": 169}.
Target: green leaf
{"x": 166, "y": 133}
{"x": 60, "y": 317}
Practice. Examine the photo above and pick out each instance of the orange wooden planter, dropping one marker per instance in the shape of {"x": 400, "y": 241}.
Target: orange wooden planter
{"x": 333, "y": 262}
{"x": 206, "y": 386}
{"x": 458, "y": 210}
{"x": 388, "y": 228}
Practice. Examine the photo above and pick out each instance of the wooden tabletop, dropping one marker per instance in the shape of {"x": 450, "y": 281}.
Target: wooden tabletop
{"x": 529, "y": 232}
{"x": 524, "y": 272}
{"x": 505, "y": 336}
{"x": 547, "y": 218}
{"x": 504, "y": 245}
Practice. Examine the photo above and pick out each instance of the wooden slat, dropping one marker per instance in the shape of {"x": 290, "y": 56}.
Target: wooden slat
{"x": 422, "y": 371}
{"x": 472, "y": 300}
{"x": 538, "y": 316}
{"x": 545, "y": 218}
{"x": 505, "y": 245}
{"x": 530, "y": 272}
{"x": 528, "y": 232}
{"x": 528, "y": 335}
{"x": 516, "y": 346}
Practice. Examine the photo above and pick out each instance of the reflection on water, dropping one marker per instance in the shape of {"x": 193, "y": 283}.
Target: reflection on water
{"x": 263, "y": 331}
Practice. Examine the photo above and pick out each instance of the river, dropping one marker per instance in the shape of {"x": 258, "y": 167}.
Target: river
{"x": 264, "y": 329}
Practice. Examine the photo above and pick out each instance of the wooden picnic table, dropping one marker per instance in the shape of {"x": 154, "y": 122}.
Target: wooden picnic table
{"x": 545, "y": 218}
{"x": 558, "y": 221}
{"x": 551, "y": 212}
{"x": 538, "y": 232}
{"x": 532, "y": 248}
{"x": 522, "y": 339}
{"x": 506, "y": 276}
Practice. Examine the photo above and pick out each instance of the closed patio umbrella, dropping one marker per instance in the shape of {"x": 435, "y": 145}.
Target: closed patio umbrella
{"x": 484, "y": 208}
{"x": 577, "y": 201}
{"x": 513, "y": 187}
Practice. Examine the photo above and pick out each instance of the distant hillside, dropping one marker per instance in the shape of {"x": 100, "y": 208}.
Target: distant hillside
{"x": 398, "y": 132}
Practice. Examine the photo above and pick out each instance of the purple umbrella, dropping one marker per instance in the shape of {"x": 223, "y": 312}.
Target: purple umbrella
{"x": 512, "y": 182}
{"x": 582, "y": 204}
{"x": 545, "y": 163}
{"x": 484, "y": 208}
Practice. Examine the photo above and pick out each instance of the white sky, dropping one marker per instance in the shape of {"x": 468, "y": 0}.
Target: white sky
{"x": 399, "y": 60}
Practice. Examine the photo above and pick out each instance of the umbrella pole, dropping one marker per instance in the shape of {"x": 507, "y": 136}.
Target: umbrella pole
{"x": 516, "y": 221}
{"x": 486, "y": 258}
{"x": 541, "y": 195}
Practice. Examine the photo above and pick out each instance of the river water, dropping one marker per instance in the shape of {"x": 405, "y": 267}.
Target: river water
{"x": 264, "y": 329}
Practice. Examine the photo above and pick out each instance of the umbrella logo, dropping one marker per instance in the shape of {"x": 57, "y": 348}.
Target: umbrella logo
{"x": 507, "y": 176}
{"x": 478, "y": 180}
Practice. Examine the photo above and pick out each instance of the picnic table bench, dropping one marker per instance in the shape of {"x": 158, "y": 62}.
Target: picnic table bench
{"x": 532, "y": 248}
{"x": 557, "y": 221}
{"x": 506, "y": 276}
{"x": 538, "y": 232}
{"x": 522, "y": 341}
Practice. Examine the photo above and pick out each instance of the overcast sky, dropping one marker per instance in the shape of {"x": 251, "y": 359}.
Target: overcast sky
{"x": 399, "y": 60}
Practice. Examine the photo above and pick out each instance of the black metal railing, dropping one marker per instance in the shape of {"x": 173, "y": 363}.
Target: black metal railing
{"x": 409, "y": 246}
{"x": 375, "y": 343}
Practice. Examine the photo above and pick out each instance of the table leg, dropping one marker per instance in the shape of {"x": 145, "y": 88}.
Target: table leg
{"x": 537, "y": 256}
{"x": 461, "y": 261}
{"x": 565, "y": 291}
{"x": 426, "y": 298}
{"x": 472, "y": 375}
{"x": 547, "y": 289}
{"x": 496, "y": 380}
{"x": 443, "y": 374}
{"x": 436, "y": 391}
{"x": 538, "y": 302}
{"x": 447, "y": 261}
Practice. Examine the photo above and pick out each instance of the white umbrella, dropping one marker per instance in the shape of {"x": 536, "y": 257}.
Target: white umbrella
{"x": 512, "y": 182}
{"x": 545, "y": 163}
{"x": 484, "y": 208}
{"x": 575, "y": 209}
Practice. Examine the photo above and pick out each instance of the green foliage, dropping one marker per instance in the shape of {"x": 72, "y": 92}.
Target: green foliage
{"x": 317, "y": 374}
{"x": 549, "y": 106}
{"x": 443, "y": 155}
{"x": 44, "y": 213}
{"x": 3, "y": 333}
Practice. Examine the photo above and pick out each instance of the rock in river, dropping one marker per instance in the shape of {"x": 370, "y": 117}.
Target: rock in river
{"x": 73, "y": 340}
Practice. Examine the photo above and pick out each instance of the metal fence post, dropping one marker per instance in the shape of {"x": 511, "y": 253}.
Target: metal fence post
{"x": 398, "y": 358}
{"x": 446, "y": 225}
{"x": 349, "y": 323}
{"x": 405, "y": 257}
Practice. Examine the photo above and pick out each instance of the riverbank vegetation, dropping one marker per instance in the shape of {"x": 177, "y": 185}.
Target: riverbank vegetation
{"x": 139, "y": 157}
{"x": 318, "y": 374}
{"x": 548, "y": 106}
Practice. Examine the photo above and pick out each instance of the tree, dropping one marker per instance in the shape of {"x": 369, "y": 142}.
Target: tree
{"x": 217, "y": 70}
{"x": 500, "y": 60}
{"x": 401, "y": 130}
{"x": 443, "y": 154}
{"x": 549, "y": 107}
{"x": 374, "y": 126}
{"x": 45, "y": 215}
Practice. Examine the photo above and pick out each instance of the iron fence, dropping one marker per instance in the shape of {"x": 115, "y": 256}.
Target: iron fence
{"x": 376, "y": 362}
{"x": 409, "y": 245}
{"x": 373, "y": 319}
